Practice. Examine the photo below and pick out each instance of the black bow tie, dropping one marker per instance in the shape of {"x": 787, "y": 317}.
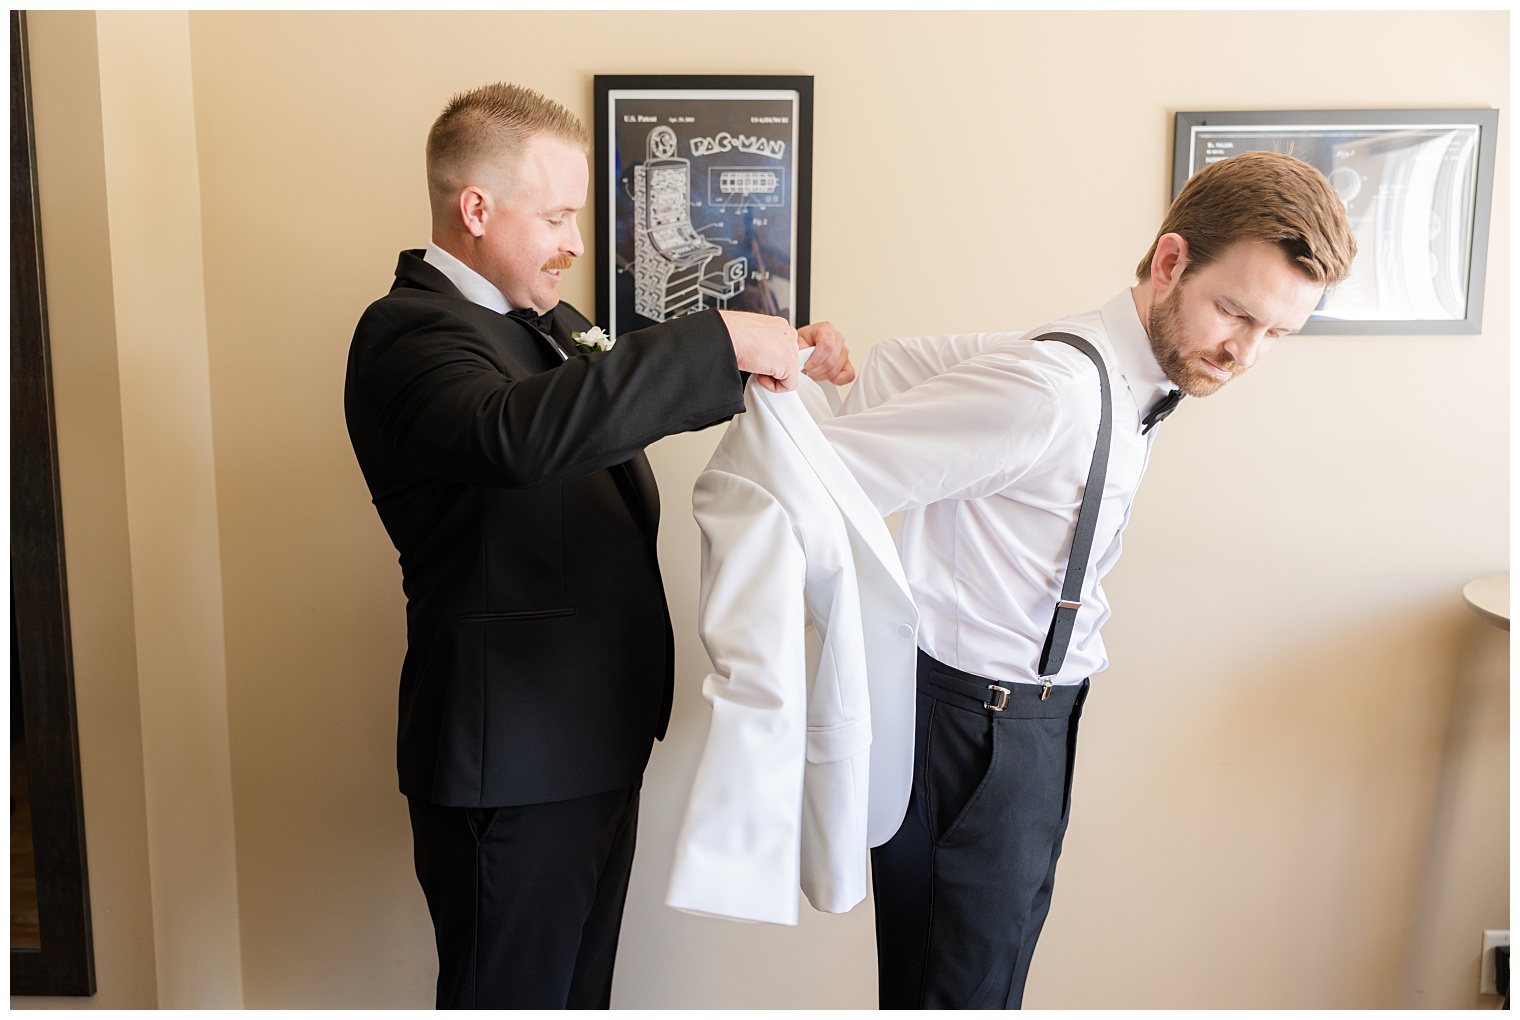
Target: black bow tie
{"x": 1165, "y": 406}
{"x": 541, "y": 321}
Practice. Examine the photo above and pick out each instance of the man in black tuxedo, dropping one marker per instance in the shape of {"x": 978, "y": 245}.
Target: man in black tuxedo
{"x": 506, "y": 464}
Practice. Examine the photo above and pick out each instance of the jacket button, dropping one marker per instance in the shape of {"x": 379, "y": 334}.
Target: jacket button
{"x": 904, "y": 631}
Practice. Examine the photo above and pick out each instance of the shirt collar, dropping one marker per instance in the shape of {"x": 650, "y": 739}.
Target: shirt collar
{"x": 1147, "y": 382}
{"x": 471, "y": 284}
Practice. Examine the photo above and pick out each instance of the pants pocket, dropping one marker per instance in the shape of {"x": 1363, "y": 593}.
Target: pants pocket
{"x": 480, "y": 821}
{"x": 1071, "y": 747}
{"x": 960, "y": 748}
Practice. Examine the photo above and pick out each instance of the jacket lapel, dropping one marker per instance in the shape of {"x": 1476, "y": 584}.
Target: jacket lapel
{"x": 559, "y": 343}
{"x": 565, "y": 322}
{"x": 859, "y": 514}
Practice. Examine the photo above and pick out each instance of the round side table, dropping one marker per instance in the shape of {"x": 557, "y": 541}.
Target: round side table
{"x": 1489, "y": 598}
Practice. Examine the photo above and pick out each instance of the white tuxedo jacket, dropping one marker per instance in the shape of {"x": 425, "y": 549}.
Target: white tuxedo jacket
{"x": 807, "y": 763}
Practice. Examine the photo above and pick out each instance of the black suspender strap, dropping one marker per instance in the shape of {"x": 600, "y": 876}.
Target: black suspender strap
{"x": 1058, "y": 639}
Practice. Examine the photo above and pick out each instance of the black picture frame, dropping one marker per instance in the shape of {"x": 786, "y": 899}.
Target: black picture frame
{"x": 1418, "y": 185}
{"x": 42, "y": 657}
{"x": 704, "y": 196}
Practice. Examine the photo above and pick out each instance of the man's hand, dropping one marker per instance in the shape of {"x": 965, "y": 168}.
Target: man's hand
{"x": 831, "y": 358}
{"x": 765, "y": 346}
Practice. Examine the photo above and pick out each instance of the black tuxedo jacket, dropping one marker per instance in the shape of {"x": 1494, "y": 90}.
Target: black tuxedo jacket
{"x": 514, "y": 487}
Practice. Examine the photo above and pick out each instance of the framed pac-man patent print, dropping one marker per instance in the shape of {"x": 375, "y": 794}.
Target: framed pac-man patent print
{"x": 1417, "y": 186}
{"x": 703, "y": 196}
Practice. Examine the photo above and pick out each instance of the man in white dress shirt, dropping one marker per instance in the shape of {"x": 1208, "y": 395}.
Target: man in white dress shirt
{"x": 985, "y": 442}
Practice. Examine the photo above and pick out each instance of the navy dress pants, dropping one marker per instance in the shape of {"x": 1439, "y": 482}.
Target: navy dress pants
{"x": 526, "y": 901}
{"x": 963, "y": 888}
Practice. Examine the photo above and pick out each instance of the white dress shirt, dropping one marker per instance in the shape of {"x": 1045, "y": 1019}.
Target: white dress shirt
{"x": 471, "y": 284}
{"x": 985, "y": 441}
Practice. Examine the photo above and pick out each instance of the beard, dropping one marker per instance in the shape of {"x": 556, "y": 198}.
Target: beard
{"x": 559, "y": 262}
{"x": 1170, "y": 344}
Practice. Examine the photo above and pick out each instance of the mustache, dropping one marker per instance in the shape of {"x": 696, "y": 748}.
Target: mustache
{"x": 559, "y": 262}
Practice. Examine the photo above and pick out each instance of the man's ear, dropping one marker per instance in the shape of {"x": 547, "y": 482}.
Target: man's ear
{"x": 474, "y": 210}
{"x": 1168, "y": 263}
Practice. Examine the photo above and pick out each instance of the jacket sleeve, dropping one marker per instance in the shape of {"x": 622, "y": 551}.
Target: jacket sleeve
{"x": 445, "y": 407}
{"x": 738, "y": 853}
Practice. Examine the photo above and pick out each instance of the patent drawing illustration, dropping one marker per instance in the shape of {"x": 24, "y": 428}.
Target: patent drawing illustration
{"x": 703, "y": 196}
{"x": 670, "y": 257}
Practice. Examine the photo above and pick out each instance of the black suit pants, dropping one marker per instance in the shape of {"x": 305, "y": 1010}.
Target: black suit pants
{"x": 963, "y": 888}
{"x": 526, "y": 901}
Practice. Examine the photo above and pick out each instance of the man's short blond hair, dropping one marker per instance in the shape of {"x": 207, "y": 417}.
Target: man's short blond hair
{"x": 1262, "y": 196}
{"x": 484, "y": 131}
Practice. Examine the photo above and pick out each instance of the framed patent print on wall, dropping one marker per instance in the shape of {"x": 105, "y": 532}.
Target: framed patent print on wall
{"x": 703, "y": 196}
{"x": 1417, "y": 186}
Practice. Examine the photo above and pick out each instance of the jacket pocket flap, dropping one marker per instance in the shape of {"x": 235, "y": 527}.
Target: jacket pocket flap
{"x": 835, "y": 743}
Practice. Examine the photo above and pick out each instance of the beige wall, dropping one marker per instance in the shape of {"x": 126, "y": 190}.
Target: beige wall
{"x": 153, "y": 196}
{"x": 1292, "y": 780}
{"x": 116, "y": 144}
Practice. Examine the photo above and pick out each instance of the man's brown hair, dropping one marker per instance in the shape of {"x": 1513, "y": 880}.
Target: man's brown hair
{"x": 491, "y": 124}
{"x": 1261, "y": 196}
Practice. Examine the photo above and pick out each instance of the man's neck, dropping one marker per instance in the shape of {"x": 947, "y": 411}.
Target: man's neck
{"x": 1144, "y": 296}
{"x": 456, "y": 247}
{"x": 469, "y": 281}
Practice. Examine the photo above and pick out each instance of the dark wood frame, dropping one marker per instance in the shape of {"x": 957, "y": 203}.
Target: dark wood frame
{"x": 65, "y": 965}
{"x": 1488, "y": 126}
{"x": 802, "y": 185}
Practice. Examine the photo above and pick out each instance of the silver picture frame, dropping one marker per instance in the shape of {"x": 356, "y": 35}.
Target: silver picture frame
{"x": 1418, "y": 187}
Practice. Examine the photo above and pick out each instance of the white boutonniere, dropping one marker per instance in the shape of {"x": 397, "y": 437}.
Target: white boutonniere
{"x": 593, "y": 339}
